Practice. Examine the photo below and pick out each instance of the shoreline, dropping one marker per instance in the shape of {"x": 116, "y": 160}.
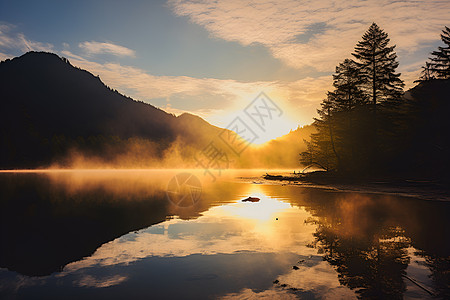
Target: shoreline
{"x": 424, "y": 190}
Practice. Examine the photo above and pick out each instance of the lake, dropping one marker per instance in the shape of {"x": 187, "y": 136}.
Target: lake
{"x": 180, "y": 234}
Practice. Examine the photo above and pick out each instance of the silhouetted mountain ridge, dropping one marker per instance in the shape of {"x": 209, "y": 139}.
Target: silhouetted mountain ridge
{"x": 48, "y": 87}
{"x": 47, "y": 103}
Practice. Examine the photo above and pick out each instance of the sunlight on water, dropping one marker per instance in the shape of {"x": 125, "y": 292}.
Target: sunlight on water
{"x": 222, "y": 229}
{"x": 264, "y": 210}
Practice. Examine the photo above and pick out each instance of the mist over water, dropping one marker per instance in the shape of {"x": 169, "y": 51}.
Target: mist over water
{"x": 189, "y": 151}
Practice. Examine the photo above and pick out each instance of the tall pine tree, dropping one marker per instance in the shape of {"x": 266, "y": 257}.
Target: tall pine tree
{"x": 377, "y": 62}
{"x": 348, "y": 135}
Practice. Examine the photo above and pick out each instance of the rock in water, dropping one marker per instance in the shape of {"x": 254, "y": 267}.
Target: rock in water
{"x": 251, "y": 199}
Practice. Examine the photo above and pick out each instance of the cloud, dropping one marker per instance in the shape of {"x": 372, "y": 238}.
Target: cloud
{"x": 411, "y": 72}
{"x": 5, "y": 39}
{"x": 10, "y": 40}
{"x": 301, "y": 33}
{"x": 209, "y": 97}
{"x": 147, "y": 86}
{"x": 4, "y": 56}
{"x": 106, "y": 48}
{"x": 279, "y": 25}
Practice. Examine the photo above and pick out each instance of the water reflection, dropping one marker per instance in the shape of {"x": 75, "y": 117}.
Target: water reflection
{"x": 46, "y": 224}
{"x": 223, "y": 229}
{"x": 107, "y": 234}
{"x": 370, "y": 241}
{"x": 373, "y": 265}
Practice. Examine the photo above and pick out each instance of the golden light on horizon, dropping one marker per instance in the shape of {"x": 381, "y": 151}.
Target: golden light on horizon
{"x": 262, "y": 117}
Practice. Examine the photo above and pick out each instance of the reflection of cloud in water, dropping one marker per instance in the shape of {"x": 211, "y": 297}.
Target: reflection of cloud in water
{"x": 223, "y": 229}
{"x": 91, "y": 281}
{"x": 268, "y": 294}
{"x": 231, "y": 229}
{"x": 314, "y": 279}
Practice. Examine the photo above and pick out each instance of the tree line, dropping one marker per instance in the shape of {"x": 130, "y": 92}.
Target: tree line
{"x": 438, "y": 65}
{"x": 366, "y": 124}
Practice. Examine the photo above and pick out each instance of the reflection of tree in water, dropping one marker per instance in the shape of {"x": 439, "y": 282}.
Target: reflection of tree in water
{"x": 440, "y": 274}
{"x": 373, "y": 266}
{"x": 366, "y": 236}
{"x": 369, "y": 254}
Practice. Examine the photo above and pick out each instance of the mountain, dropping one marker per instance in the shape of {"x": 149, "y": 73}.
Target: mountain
{"x": 45, "y": 86}
{"x": 46, "y": 102}
{"x": 52, "y": 111}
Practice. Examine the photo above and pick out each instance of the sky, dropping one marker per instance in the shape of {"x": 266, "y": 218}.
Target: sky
{"x": 213, "y": 58}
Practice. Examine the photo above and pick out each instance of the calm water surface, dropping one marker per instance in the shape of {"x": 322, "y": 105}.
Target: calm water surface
{"x": 130, "y": 234}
